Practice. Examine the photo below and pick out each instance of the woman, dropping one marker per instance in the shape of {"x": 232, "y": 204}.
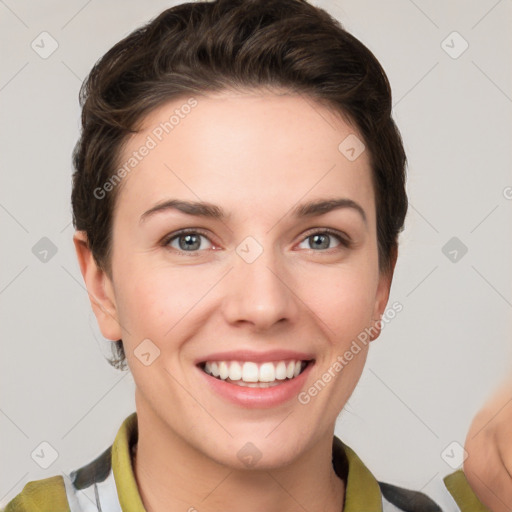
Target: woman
{"x": 238, "y": 193}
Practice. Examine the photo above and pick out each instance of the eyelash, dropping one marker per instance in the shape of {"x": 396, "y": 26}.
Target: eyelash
{"x": 344, "y": 240}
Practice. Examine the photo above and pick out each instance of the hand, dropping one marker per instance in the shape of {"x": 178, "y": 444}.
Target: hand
{"x": 488, "y": 466}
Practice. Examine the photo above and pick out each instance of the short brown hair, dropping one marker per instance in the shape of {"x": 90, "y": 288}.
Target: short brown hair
{"x": 201, "y": 47}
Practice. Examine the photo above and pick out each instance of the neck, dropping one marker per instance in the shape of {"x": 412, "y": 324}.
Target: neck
{"x": 172, "y": 475}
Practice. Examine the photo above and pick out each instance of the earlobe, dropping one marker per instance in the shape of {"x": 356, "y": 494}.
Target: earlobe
{"x": 99, "y": 288}
{"x": 380, "y": 305}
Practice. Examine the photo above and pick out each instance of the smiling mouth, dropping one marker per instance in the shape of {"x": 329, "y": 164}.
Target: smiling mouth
{"x": 255, "y": 375}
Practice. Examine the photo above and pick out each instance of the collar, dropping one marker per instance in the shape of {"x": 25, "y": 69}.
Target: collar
{"x": 362, "y": 490}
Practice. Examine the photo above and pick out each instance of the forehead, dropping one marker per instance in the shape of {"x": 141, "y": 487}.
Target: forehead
{"x": 242, "y": 149}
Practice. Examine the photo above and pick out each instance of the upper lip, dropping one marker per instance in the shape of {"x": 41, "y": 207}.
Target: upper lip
{"x": 251, "y": 355}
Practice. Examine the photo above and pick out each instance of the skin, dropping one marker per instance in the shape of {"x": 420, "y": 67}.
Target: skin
{"x": 488, "y": 466}
{"x": 256, "y": 154}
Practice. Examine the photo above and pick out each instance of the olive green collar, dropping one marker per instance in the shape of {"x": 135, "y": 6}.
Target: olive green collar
{"x": 459, "y": 488}
{"x": 127, "y": 490}
{"x": 362, "y": 491}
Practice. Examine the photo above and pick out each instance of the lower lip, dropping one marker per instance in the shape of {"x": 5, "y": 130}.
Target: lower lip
{"x": 258, "y": 397}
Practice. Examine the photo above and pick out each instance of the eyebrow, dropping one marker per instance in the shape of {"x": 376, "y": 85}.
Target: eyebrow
{"x": 209, "y": 210}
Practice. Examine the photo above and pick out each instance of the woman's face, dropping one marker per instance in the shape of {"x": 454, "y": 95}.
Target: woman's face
{"x": 259, "y": 277}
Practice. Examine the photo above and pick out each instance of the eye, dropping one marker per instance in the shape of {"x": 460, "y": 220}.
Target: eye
{"x": 191, "y": 240}
{"x": 186, "y": 240}
{"x": 321, "y": 239}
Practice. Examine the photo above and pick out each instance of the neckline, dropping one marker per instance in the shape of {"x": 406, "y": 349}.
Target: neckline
{"x": 362, "y": 491}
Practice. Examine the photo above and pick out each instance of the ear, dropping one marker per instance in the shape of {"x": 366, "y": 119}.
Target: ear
{"x": 382, "y": 295}
{"x": 99, "y": 287}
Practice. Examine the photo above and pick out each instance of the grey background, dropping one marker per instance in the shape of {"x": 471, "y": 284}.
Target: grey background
{"x": 435, "y": 362}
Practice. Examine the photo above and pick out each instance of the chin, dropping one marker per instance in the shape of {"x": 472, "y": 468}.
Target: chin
{"x": 257, "y": 453}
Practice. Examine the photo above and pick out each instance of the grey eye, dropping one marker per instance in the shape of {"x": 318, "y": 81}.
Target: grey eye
{"x": 321, "y": 240}
{"x": 188, "y": 242}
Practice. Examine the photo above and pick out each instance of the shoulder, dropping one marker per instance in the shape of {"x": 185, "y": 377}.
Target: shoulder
{"x": 451, "y": 494}
{"x": 46, "y": 495}
{"x": 60, "y": 493}
{"x": 92, "y": 487}
{"x": 399, "y": 498}
{"x": 364, "y": 492}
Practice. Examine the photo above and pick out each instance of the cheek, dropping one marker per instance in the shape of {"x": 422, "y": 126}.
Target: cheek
{"x": 343, "y": 298}
{"x": 155, "y": 298}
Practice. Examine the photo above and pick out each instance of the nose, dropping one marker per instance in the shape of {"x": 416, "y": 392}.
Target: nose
{"x": 260, "y": 293}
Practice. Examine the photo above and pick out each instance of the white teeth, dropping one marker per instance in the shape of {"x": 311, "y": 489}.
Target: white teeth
{"x": 281, "y": 370}
{"x": 268, "y": 372}
{"x": 251, "y": 374}
{"x": 214, "y": 369}
{"x": 290, "y": 370}
{"x": 235, "y": 371}
{"x": 223, "y": 370}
